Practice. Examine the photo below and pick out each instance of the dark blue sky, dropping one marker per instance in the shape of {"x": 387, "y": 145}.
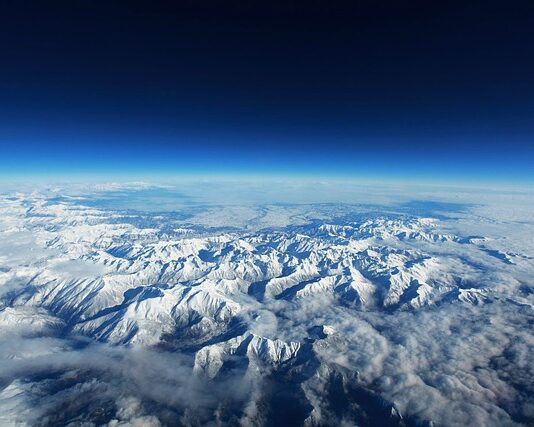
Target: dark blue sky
{"x": 418, "y": 90}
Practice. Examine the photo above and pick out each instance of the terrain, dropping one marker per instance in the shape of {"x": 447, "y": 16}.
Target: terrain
{"x": 412, "y": 313}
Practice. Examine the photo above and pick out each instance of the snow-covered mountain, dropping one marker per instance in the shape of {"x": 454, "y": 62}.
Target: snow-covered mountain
{"x": 335, "y": 315}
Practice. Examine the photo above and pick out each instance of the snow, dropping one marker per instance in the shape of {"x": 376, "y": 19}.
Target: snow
{"x": 267, "y": 289}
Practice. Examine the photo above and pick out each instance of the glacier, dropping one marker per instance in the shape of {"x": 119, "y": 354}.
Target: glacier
{"x": 195, "y": 309}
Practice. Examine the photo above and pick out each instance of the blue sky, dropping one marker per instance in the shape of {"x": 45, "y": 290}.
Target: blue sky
{"x": 53, "y": 152}
{"x": 415, "y": 92}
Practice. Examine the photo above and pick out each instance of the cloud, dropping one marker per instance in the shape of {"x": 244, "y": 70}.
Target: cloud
{"x": 60, "y": 380}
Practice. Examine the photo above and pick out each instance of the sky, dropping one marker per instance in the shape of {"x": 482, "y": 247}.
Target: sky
{"x": 402, "y": 90}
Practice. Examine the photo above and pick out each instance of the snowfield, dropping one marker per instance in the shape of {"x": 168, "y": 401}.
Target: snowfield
{"x": 265, "y": 313}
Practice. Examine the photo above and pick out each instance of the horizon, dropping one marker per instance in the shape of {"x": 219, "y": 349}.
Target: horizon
{"x": 40, "y": 180}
